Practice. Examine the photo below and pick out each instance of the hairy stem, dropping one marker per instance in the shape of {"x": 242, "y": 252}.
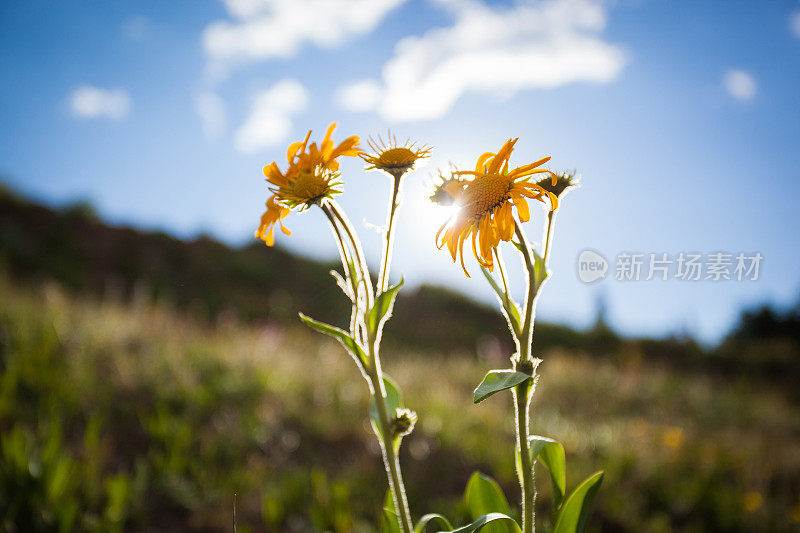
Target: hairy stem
{"x": 386, "y": 258}
{"x": 390, "y": 459}
{"x": 522, "y": 394}
{"x": 530, "y": 299}
{"x": 361, "y": 263}
{"x": 548, "y": 233}
{"x": 345, "y": 255}
{"x": 375, "y": 375}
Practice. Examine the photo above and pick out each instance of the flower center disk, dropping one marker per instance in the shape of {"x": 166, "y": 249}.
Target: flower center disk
{"x": 309, "y": 185}
{"x": 397, "y": 157}
{"x": 486, "y": 192}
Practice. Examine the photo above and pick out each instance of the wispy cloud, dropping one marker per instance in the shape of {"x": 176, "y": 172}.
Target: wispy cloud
{"x": 794, "y": 23}
{"x": 270, "y": 119}
{"x": 211, "y": 109}
{"x": 87, "y": 101}
{"x": 268, "y": 29}
{"x": 363, "y": 95}
{"x": 136, "y": 28}
{"x": 490, "y": 50}
{"x": 740, "y": 84}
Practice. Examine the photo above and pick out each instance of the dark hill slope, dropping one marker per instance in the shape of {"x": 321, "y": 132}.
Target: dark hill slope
{"x": 73, "y": 247}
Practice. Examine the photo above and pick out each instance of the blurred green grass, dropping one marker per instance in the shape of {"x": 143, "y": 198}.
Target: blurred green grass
{"x": 137, "y": 416}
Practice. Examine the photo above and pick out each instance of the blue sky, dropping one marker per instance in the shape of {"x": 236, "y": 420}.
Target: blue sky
{"x": 683, "y": 119}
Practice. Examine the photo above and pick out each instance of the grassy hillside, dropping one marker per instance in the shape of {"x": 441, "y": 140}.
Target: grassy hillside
{"x": 145, "y": 380}
{"x": 141, "y": 417}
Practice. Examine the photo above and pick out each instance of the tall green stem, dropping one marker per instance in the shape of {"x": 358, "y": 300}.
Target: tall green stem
{"x": 375, "y": 375}
{"x": 522, "y": 396}
{"x": 548, "y": 233}
{"x": 345, "y": 255}
{"x": 390, "y": 459}
{"x": 383, "y": 277}
{"x": 522, "y": 392}
{"x": 359, "y": 253}
{"x": 532, "y": 289}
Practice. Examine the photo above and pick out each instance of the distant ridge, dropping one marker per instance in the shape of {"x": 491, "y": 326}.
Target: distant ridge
{"x": 73, "y": 247}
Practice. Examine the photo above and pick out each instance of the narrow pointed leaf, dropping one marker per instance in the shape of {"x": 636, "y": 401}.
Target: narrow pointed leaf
{"x": 390, "y": 521}
{"x": 340, "y": 335}
{"x": 496, "y": 381}
{"x": 382, "y": 309}
{"x": 575, "y": 512}
{"x": 353, "y": 277}
{"x": 551, "y": 454}
{"x": 511, "y": 309}
{"x": 491, "y": 518}
{"x": 428, "y": 518}
{"x": 540, "y": 271}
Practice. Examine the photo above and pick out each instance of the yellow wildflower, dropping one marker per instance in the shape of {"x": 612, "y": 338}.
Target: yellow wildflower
{"x": 312, "y": 175}
{"x": 486, "y": 202}
{"x": 392, "y": 157}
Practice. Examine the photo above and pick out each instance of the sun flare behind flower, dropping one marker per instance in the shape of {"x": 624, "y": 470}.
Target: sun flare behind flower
{"x": 487, "y": 200}
{"x": 311, "y": 176}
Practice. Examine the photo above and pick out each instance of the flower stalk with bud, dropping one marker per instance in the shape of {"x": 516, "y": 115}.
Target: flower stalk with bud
{"x": 312, "y": 179}
{"x": 493, "y": 206}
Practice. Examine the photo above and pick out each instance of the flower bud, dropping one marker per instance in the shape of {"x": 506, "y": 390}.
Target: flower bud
{"x": 403, "y": 422}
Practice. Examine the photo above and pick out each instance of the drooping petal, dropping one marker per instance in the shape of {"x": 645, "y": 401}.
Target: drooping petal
{"x": 522, "y": 207}
{"x": 461, "y": 252}
{"x": 553, "y": 201}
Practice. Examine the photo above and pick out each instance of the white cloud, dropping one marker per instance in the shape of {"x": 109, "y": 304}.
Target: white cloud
{"x": 211, "y": 109}
{"x": 87, "y": 102}
{"x": 361, "y": 95}
{"x": 740, "y": 84}
{"x": 496, "y": 51}
{"x": 269, "y": 121}
{"x": 794, "y": 22}
{"x": 268, "y": 29}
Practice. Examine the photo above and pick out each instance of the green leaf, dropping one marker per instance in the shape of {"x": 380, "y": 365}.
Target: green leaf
{"x": 390, "y": 521}
{"x": 539, "y": 270}
{"x": 575, "y": 513}
{"x": 382, "y": 309}
{"x": 483, "y": 497}
{"x": 340, "y": 335}
{"x": 351, "y": 268}
{"x": 485, "y": 520}
{"x": 511, "y": 309}
{"x": 551, "y": 454}
{"x": 497, "y": 380}
{"x": 394, "y": 401}
{"x": 425, "y": 520}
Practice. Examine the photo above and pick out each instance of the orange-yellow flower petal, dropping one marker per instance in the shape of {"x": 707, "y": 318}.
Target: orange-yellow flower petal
{"x": 487, "y": 197}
